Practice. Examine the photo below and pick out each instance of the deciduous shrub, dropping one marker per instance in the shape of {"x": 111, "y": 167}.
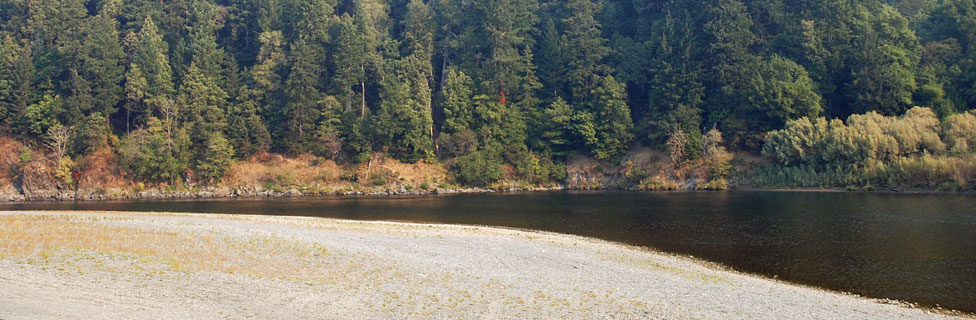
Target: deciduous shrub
{"x": 155, "y": 153}
{"x": 959, "y": 132}
{"x": 909, "y": 151}
{"x": 477, "y": 169}
{"x": 537, "y": 170}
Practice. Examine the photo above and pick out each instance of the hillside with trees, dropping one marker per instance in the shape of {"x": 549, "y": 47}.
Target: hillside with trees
{"x": 184, "y": 94}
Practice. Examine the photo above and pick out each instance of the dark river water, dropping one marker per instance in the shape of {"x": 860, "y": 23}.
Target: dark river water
{"x": 912, "y": 247}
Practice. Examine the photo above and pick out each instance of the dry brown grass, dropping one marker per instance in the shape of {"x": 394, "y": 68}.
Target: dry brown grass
{"x": 42, "y": 238}
{"x": 100, "y": 170}
{"x": 9, "y": 152}
{"x": 415, "y": 173}
{"x": 276, "y": 171}
{"x": 100, "y": 173}
{"x": 311, "y": 173}
{"x": 35, "y": 176}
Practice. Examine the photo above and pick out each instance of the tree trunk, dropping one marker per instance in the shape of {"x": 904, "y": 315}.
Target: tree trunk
{"x": 362, "y": 86}
{"x": 430, "y": 108}
{"x": 362, "y": 113}
{"x": 369, "y": 165}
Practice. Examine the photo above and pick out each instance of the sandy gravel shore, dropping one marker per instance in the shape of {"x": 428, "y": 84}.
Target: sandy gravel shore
{"x": 58, "y": 265}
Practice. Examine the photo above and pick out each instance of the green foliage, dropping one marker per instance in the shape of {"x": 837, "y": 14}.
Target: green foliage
{"x": 102, "y": 63}
{"x": 477, "y": 169}
{"x": 883, "y": 62}
{"x": 717, "y": 161}
{"x": 906, "y": 151}
{"x": 43, "y": 115}
{"x": 203, "y": 102}
{"x": 794, "y": 144}
{"x": 458, "y": 113}
{"x": 216, "y": 159}
{"x": 91, "y": 134}
{"x": 245, "y": 129}
{"x": 155, "y": 153}
{"x": 15, "y": 68}
{"x": 781, "y": 90}
{"x": 957, "y": 130}
{"x": 355, "y": 137}
{"x": 62, "y": 172}
{"x": 609, "y": 137}
{"x": 149, "y": 54}
{"x": 458, "y": 144}
{"x": 328, "y": 142}
{"x": 586, "y": 58}
{"x": 551, "y": 61}
{"x": 539, "y": 169}
{"x": 528, "y": 82}
{"x": 556, "y": 135}
{"x": 348, "y": 176}
{"x": 25, "y": 156}
{"x": 303, "y": 89}
{"x": 402, "y": 125}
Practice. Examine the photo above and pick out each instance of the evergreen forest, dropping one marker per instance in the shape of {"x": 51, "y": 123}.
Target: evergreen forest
{"x": 824, "y": 93}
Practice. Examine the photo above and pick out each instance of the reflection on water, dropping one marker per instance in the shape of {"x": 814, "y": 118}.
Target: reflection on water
{"x": 919, "y": 248}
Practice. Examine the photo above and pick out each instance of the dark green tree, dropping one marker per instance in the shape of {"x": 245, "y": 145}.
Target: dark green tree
{"x": 457, "y": 104}
{"x": 102, "y": 63}
{"x": 884, "y": 63}
{"x": 16, "y": 78}
{"x": 304, "y": 92}
{"x": 203, "y": 103}
{"x": 676, "y": 88}
{"x": 585, "y": 59}
{"x": 612, "y": 123}
{"x": 149, "y": 55}
{"x": 246, "y": 131}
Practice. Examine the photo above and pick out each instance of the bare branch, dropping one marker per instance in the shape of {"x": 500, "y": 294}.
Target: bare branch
{"x": 58, "y": 140}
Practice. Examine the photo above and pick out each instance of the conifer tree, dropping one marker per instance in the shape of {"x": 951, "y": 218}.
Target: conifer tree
{"x": 588, "y": 49}
{"x": 150, "y": 56}
{"x": 102, "y": 62}
{"x": 458, "y": 108}
{"x": 303, "y": 90}
{"x": 16, "y": 78}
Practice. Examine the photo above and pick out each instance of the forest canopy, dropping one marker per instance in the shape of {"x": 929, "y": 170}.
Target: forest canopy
{"x": 191, "y": 85}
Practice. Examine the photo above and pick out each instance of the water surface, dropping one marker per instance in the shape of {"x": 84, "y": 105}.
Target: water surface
{"x": 913, "y": 247}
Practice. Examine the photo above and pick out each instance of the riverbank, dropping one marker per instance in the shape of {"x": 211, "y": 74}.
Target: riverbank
{"x": 227, "y": 193}
{"x": 848, "y": 190}
{"x": 128, "y": 265}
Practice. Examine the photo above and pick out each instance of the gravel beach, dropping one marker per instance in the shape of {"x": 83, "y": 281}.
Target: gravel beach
{"x": 85, "y": 265}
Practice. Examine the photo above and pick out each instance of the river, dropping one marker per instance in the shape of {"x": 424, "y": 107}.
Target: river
{"x": 914, "y": 247}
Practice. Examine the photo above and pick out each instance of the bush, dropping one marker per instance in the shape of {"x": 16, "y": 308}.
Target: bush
{"x": 658, "y": 183}
{"x": 867, "y": 138}
{"x": 63, "y": 172}
{"x": 926, "y": 171}
{"x": 715, "y": 184}
{"x": 477, "y": 169}
{"x": 378, "y": 181}
{"x": 216, "y": 159}
{"x": 959, "y": 132}
{"x": 348, "y": 176}
{"x": 25, "y": 155}
{"x": 150, "y": 154}
{"x": 538, "y": 170}
{"x": 458, "y": 144}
